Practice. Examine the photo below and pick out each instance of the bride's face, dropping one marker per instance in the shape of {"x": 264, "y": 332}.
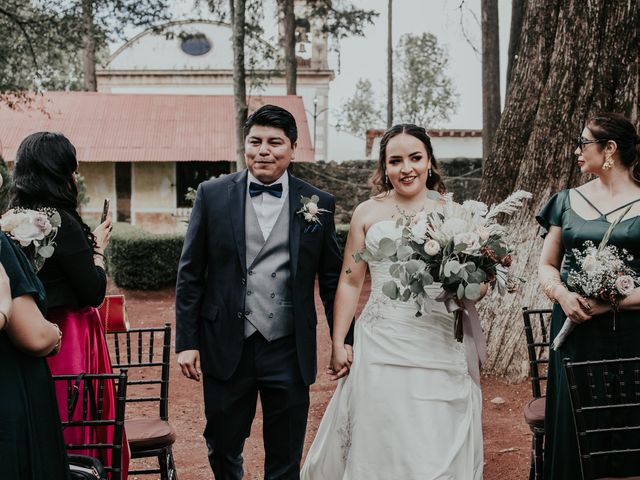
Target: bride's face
{"x": 407, "y": 165}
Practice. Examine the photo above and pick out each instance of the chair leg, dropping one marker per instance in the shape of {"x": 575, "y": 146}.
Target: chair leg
{"x": 162, "y": 462}
{"x": 532, "y": 466}
{"x": 538, "y": 448}
{"x": 173, "y": 474}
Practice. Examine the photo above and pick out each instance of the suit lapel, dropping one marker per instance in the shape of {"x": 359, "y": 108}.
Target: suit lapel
{"x": 237, "y": 204}
{"x": 295, "y": 222}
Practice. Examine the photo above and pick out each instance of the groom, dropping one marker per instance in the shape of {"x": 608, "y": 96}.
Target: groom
{"x": 245, "y": 298}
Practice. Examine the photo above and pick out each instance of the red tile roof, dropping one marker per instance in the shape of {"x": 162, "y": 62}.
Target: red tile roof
{"x": 108, "y": 127}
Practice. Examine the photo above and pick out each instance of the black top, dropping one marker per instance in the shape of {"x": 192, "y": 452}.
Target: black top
{"x": 70, "y": 277}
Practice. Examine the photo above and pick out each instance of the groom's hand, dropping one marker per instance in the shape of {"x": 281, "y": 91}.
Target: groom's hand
{"x": 189, "y": 361}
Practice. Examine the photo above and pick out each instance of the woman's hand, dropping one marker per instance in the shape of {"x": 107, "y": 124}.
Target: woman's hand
{"x": 598, "y": 307}
{"x": 103, "y": 234}
{"x": 341, "y": 358}
{"x": 6, "y": 301}
{"x": 576, "y": 307}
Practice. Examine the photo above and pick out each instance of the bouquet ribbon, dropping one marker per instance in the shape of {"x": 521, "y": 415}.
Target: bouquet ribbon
{"x": 474, "y": 341}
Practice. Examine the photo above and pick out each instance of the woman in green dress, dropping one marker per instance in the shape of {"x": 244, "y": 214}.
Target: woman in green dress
{"x": 608, "y": 149}
{"x": 31, "y": 443}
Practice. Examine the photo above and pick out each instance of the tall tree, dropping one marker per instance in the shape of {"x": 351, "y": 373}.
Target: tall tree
{"x": 575, "y": 58}
{"x": 517, "y": 11}
{"x": 360, "y": 112}
{"x": 490, "y": 73}
{"x": 289, "y": 45}
{"x": 239, "y": 81}
{"x": 390, "y": 64}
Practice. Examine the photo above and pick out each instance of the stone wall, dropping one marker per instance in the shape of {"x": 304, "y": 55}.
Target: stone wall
{"x": 349, "y": 181}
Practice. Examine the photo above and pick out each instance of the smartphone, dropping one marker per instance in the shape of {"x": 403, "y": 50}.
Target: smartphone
{"x": 105, "y": 210}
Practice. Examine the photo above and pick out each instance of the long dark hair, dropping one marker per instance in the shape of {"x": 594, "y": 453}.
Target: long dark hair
{"x": 616, "y": 127}
{"x": 378, "y": 179}
{"x": 44, "y": 176}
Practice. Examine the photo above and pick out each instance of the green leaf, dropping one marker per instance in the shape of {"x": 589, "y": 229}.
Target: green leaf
{"x": 390, "y": 289}
{"x": 412, "y": 266}
{"x": 406, "y": 295}
{"x": 415, "y": 286}
{"x": 477, "y": 277}
{"x": 55, "y": 219}
{"x": 404, "y": 252}
{"x": 387, "y": 247}
{"x": 46, "y": 251}
{"x": 472, "y": 291}
{"x": 427, "y": 279}
{"x": 315, "y": 199}
{"x": 395, "y": 269}
{"x": 470, "y": 267}
{"x": 305, "y": 200}
{"x": 460, "y": 247}
{"x": 451, "y": 267}
{"x": 357, "y": 257}
{"x": 460, "y": 292}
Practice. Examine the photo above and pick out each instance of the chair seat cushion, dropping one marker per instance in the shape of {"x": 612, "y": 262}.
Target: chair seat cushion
{"x": 149, "y": 433}
{"x": 534, "y": 412}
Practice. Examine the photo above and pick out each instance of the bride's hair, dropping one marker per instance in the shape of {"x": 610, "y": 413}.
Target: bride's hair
{"x": 379, "y": 180}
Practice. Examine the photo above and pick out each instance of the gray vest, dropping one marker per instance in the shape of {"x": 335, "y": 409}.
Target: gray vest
{"x": 268, "y": 305}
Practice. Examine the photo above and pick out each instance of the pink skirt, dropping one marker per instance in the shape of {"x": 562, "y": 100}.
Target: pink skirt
{"x": 84, "y": 349}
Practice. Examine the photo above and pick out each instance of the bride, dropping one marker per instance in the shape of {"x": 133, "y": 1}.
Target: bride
{"x": 408, "y": 408}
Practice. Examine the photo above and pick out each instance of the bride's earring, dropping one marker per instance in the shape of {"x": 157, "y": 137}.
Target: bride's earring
{"x": 386, "y": 179}
{"x": 429, "y": 173}
{"x": 608, "y": 163}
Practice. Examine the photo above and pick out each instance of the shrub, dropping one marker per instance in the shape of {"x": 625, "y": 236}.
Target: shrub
{"x": 342, "y": 229}
{"x": 140, "y": 260}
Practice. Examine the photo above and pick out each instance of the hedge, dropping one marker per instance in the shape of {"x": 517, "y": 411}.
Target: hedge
{"x": 140, "y": 260}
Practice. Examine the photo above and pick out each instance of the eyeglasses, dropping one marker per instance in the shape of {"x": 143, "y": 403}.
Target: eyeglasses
{"x": 585, "y": 141}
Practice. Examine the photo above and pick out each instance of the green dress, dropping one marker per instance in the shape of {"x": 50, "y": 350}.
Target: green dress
{"x": 31, "y": 443}
{"x": 595, "y": 339}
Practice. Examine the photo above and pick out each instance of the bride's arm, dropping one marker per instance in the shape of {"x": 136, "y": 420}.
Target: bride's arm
{"x": 348, "y": 293}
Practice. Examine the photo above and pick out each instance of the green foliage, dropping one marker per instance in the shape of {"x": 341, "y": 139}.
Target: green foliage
{"x": 141, "y": 260}
{"x": 4, "y": 191}
{"x": 360, "y": 112}
{"x": 81, "y": 185}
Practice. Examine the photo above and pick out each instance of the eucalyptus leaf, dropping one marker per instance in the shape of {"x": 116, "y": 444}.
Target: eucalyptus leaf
{"x": 470, "y": 267}
{"x": 390, "y": 289}
{"x": 357, "y": 257}
{"x": 305, "y": 200}
{"x": 460, "y": 247}
{"x": 404, "y": 252}
{"x": 460, "y": 292}
{"x": 472, "y": 291}
{"x": 406, "y": 295}
{"x": 46, "y": 251}
{"x": 415, "y": 287}
{"x": 477, "y": 277}
{"x": 412, "y": 266}
{"x": 387, "y": 247}
{"x": 395, "y": 270}
{"x": 451, "y": 267}
{"x": 427, "y": 279}
{"x": 55, "y": 219}
{"x": 315, "y": 199}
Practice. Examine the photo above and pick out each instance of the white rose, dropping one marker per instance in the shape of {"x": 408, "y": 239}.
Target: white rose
{"x": 431, "y": 247}
{"x": 483, "y": 232}
{"x": 589, "y": 263}
{"x": 11, "y": 220}
{"x": 26, "y": 233}
{"x": 41, "y": 221}
{"x": 625, "y": 285}
{"x": 470, "y": 239}
{"x": 419, "y": 231}
{"x": 475, "y": 207}
{"x": 453, "y": 226}
{"x": 312, "y": 208}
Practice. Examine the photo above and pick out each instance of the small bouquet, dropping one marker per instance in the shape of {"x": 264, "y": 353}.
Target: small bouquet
{"x": 603, "y": 274}
{"x": 459, "y": 246}
{"x": 34, "y": 230}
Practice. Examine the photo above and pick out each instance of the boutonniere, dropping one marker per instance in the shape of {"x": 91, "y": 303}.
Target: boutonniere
{"x": 310, "y": 209}
{"x": 34, "y": 230}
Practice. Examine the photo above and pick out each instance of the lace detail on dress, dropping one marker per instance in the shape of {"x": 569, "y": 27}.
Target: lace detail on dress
{"x": 344, "y": 432}
{"x": 373, "y": 310}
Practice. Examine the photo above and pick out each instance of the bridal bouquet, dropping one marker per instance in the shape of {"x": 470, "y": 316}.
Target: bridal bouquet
{"x": 34, "y": 230}
{"x": 602, "y": 274}
{"x": 459, "y": 246}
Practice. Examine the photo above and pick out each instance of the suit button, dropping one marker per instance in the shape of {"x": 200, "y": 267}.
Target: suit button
{"x": 250, "y": 272}
{"x": 243, "y": 282}
{"x": 273, "y": 274}
{"x": 271, "y": 315}
{"x": 249, "y": 292}
{"x": 273, "y": 295}
{"x": 239, "y": 314}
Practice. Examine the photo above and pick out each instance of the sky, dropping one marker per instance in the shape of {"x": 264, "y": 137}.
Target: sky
{"x": 365, "y": 57}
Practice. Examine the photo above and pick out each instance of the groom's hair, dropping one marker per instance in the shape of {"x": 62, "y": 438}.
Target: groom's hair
{"x": 273, "y": 116}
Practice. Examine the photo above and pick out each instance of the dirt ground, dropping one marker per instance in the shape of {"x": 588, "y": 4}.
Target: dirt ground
{"x": 507, "y": 438}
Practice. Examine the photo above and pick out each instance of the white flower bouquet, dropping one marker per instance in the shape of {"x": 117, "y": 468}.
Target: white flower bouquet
{"x": 603, "y": 274}
{"x": 34, "y": 230}
{"x": 459, "y": 246}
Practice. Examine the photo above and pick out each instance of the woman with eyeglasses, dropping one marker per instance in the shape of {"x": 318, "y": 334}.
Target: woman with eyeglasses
{"x": 608, "y": 149}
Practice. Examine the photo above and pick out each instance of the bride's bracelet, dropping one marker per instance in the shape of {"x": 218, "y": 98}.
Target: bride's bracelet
{"x": 548, "y": 287}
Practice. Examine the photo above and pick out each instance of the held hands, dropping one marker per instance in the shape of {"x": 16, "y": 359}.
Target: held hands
{"x": 341, "y": 360}
{"x": 189, "y": 361}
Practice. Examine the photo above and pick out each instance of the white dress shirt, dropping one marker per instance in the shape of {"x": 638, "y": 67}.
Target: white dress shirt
{"x": 267, "y": 206}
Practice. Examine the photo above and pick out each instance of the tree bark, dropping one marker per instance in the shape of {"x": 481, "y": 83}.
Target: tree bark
{"x": 490, "y": 74}
{"x": 389, "y": 64}
{"x": 239, "y": 80}
{"x": 289, "y": 44}
{"x": 89, "y": 47}
{"x": 574, "y": 59}
{"x": 517, "y": 14}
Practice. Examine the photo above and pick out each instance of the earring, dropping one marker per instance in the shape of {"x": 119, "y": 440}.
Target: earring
{"x": 608, "y": 163}
{"x": 429, "y": 173}
{"x": 386, "y": 179}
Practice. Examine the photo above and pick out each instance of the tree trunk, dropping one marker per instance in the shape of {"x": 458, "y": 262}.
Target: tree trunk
{"x": 289, "y": 45}
{"x": 239, "y": 80}
{"x": 389, "y": 64}
{"x": 574, "y": 59}
{"x": 89, "y": 47}
{"x": 517, "y": 14}
{"x": 490, "y": 74}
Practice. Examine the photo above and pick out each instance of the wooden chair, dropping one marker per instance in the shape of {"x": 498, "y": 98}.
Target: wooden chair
{"x": 145, "y": 353}
{"x": 605, "y": 399}
{"x": 536, "y": 329}
{"x": 87, "y": 392}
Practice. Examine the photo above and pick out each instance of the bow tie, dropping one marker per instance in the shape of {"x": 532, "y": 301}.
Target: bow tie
{"x": 256, "y": 189}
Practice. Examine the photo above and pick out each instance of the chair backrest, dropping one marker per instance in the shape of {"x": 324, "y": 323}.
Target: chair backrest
{"x": 536, "y": 330}
{"x": 605, "y": 399}
{"x": 85, "y": 402}
{"x": 145, "y": 353}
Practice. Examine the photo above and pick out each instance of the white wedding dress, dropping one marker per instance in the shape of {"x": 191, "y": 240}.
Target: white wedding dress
{"x": 408, "y": 410}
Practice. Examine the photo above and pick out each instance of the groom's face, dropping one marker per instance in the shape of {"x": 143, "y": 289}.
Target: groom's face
{"x": 268, "y": 153}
